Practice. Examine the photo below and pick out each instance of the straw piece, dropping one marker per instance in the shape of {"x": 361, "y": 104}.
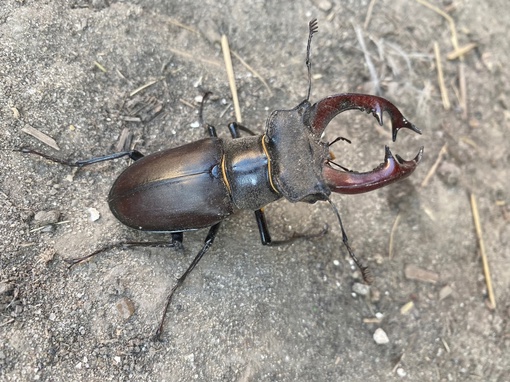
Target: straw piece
{"x": 485, "y": 262}
{"x": 434, "y": 167}
{"x": 459, "y": 52}
{"x": 230, "y": 73}
{"x": 392, "y": 236}
{"x": 455, "y": 43}
{"x": 39, "y": 135}
{"x": 100, "y": 67}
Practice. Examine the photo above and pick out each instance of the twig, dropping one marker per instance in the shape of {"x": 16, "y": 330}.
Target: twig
{"x": 440, "y": 77}
{"x": 433, "y": 169}
{"x": 230, "y": 73}
{"x": 485, "y": 263}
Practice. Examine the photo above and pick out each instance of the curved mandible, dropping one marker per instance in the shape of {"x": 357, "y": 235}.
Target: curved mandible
{"x": 328, "y": 108}
{"x": 392, "y": 170}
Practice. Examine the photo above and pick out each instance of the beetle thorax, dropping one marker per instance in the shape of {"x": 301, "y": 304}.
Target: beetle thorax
{"x": 297, "y": 155}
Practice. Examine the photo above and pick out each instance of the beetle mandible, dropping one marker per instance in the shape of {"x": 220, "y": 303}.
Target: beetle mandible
{"x": 200, "y": 184}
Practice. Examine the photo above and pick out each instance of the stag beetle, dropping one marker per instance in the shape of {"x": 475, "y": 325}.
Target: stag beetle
{"x": 202, "y": 183}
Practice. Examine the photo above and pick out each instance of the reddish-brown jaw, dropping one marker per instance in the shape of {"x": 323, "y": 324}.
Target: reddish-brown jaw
{"x": 393, "y": 168}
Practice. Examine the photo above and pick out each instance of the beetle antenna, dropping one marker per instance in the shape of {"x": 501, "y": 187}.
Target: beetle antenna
{"x": 365, "y": 272}
{"x": 312, "y": 28}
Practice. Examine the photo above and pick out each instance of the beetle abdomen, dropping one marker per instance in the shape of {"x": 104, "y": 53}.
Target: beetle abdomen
{"x": 178, "y": 189}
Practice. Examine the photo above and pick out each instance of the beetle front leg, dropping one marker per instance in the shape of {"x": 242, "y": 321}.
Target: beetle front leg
{"x": 265, "y": 236}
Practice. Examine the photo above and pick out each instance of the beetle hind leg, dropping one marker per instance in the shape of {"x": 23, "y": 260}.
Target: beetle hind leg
{"x": 211, "y": 235}
{"x": 133, "y": 154}
{"x": 123, "y": 244}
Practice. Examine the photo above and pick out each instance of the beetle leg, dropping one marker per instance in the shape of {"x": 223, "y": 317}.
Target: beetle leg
{"x": 133, "y": 154}
{"x": 120, "y": 244}
{"x": 393, "y": 168}
{"x": 265, "y": 236}
{"x": 234, "y": 128}
{"x": 211, "y": 235}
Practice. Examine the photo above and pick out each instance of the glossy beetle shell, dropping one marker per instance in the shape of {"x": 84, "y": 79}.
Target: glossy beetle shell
{"x": 178, "y": 189}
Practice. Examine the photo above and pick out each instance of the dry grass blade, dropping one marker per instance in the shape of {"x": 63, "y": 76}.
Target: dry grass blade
{"x": 440, "y": 77}
{"x": 192, "y": 57}
{"x": 183, "y": 26}
{"x": 368, "y": 17}
{"x": 455, "y": 43}
{"x": 148, "y": 84}
{"x": 253, "y": 71}
{"x": 230, "y": 73}
{"x": 448, "y": 18}
{"x": 392, "y": 235}
{"x": 459, "y": 52}
{"x": 485, "y": 262}
{"x": 100, "y": 67}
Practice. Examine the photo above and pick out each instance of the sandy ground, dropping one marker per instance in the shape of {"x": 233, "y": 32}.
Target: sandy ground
{"x": 252, "y": 313}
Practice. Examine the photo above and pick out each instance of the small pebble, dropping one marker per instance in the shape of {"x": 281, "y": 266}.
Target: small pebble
{"x": 6, "y": 287}
{"x": 380, "y": 337}
{"x": 445, "y": 292}
{"x": 94, "y": 214}
{"x": 361, "y": 289}
{"x": 401, "y": 372}
{"x": 324, "y": 5}
{"x": 43, "y": 218}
